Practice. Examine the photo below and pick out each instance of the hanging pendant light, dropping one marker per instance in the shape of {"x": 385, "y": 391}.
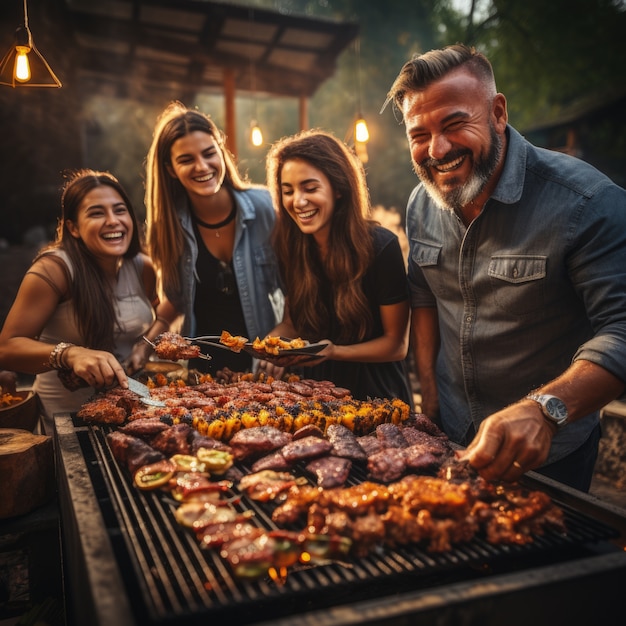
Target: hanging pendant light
{"x": 361, "y": 132}
{"x": 23, "y": 65}
{"x": 256, "y": 136}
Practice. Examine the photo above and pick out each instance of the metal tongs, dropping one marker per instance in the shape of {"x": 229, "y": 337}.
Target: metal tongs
{"x": 206, "y": 357}
{"x": 208, "y": 340}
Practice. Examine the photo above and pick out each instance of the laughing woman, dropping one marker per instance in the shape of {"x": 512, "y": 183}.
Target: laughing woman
{"x": 209, "y": 235}
{"x": 344, "y": 275}
{"x": 85, "y": 302}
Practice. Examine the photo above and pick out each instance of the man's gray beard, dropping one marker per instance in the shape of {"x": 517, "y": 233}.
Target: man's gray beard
{"x": 461, "y": 196}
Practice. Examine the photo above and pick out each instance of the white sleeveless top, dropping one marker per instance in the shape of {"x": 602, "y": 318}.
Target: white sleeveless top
{"x": 134, "y": 314}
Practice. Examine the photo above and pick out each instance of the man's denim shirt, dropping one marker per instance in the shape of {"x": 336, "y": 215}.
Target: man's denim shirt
{"x": 254, "y": 265}
{"x": 536, "y": 281}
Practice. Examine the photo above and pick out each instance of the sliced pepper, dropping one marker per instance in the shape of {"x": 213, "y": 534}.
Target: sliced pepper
{"x": 154, "y": 475}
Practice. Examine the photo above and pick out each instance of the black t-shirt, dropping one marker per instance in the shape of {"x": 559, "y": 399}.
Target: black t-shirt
{"x": 217, "y": 307}
{"x": 384, "y": 283}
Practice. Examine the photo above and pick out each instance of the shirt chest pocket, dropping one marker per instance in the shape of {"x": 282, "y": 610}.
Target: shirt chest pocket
{"x": 427, "y": 256}
{"x": 518, "y": 283}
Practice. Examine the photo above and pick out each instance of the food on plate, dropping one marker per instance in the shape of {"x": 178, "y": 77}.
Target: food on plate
{"x": 274, "y": 345}
{"x": 173, "y": 347}
{"x": 235, "y": 342}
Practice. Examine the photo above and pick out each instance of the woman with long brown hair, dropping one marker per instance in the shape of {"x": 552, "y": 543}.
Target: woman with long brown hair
{"x": 209, "y": 235}
{"x": 344, "y": 275}
{"x": 79, "y": 315}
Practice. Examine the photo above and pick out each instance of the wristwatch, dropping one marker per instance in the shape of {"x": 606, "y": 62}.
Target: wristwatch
{"x": 553, "y": 408}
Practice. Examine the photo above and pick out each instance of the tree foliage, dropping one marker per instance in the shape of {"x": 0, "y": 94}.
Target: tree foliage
{"x": 545, "y": 56}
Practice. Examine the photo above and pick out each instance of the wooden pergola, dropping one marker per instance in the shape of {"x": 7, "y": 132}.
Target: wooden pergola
{"x": 178, "y": 48}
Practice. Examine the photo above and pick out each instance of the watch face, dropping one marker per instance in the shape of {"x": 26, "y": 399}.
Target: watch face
{"x": 557, "y": 409}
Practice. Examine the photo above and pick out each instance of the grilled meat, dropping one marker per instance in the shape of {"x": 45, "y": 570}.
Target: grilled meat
{"x": 330, "y": 471}
{"x": 254, "y": 441}
{"x": 344, "y": 443}
{"x": 172, "y": 347}
{"x": 306, "y": 448}
{"x": 174, "y": 440}
{"x": 132, "y": 452}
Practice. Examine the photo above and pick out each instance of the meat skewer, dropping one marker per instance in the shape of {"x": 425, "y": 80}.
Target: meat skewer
{"x": 173, "y": 347}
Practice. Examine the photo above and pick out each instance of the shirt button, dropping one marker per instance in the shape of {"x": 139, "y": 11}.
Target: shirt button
{"x": 468, "y": 318}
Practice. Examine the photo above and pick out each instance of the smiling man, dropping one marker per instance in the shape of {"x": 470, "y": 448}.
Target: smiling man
{"x": 517, "y": 268}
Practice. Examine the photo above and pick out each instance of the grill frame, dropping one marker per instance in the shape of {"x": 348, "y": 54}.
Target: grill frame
{"x": 107, "y": 554}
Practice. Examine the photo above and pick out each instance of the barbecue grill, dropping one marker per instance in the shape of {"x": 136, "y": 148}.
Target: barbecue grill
{"x": 127, "y": 562}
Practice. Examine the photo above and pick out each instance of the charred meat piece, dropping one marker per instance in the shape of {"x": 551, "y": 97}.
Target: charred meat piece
{"x": 330, "y": 471}
{"x": 273, "y": 461}
{"x": 387, "y": 465}
{"x": 217, "y": 534}
{"x": 370, "y": 444}
{"x": 197, "y": 441}
{"x": 296, "y": 505}
{"x": 391, "y": 436}
{"x": 437, "y": 445}
{"x": 102, "y": 410}
{"x": 344, "y": 443}
{"x": 420, "y": 458}
{"x": 250, "y": 557}
{"x": 257, "y": 440}
{"x": 305, "y": 448}
{"x": 425, "y": 424}
{"x": 266, "y": 484}
{"x": 145, "y": 427}
{"x": 132, "y": 452}
{"x": 174, "y": 440}
{"x": 172, "y": 347}
{"x": 309, "y": 430}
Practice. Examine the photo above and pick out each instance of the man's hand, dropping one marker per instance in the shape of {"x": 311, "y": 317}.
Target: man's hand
{"x": 511, "y": 442}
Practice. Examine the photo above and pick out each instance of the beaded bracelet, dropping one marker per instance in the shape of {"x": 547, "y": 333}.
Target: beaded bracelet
{"x": 55, "y": 360}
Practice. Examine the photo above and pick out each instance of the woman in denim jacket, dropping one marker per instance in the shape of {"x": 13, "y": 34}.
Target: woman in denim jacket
{"x": 209, "y": 235}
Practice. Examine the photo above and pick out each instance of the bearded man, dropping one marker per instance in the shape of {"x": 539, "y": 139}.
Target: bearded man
{"x": 517, "y": 270}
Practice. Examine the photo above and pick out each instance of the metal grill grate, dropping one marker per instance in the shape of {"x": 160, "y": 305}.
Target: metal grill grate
{"x": 171, "y": 578}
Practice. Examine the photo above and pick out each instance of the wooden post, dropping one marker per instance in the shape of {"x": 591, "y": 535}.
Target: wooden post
{"x": 229, "y": 95}
{"x": 304, "y": 112}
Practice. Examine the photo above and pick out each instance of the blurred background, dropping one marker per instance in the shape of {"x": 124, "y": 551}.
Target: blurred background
{"x": 561, "y": 65}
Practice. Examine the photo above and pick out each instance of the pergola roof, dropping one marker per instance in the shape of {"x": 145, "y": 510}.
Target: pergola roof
{"x": 132, "y": 47}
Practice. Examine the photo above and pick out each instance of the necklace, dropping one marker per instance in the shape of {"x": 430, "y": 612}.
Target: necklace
{"x": 229, "y": 218}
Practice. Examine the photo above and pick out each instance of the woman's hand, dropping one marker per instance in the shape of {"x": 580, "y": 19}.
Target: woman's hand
{"x": 138, "y": 357}
{"x": 96, "y": 367}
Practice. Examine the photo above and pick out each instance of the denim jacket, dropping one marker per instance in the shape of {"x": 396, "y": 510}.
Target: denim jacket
{"x": 254, "y": 264}
{"x": 536, "y": 281}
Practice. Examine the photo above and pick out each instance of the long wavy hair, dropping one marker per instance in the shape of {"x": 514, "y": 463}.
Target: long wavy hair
{"x": 165, "y": 193}
{"x": 350, "y": 246}
{"x": 89, "y": 289}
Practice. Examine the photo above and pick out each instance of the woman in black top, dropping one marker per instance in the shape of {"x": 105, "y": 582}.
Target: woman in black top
{"x": 344, "y": 275}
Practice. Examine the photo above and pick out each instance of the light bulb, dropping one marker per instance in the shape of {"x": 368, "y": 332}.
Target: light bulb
{"x": 360, "y": 131}
{"x": 256, "y": 136}
{"x": 22, "y": 66}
